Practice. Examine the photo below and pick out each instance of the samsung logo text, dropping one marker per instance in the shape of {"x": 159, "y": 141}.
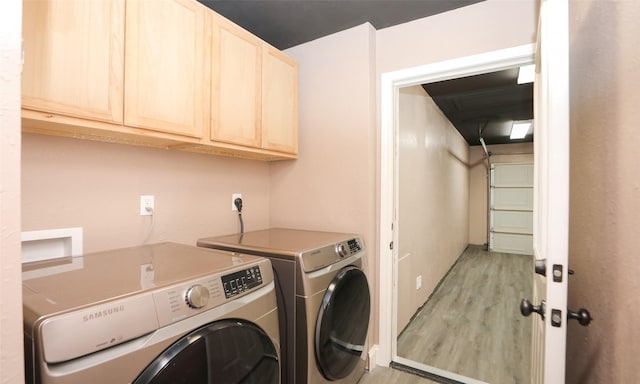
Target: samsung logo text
{"x": 103, "y": 313}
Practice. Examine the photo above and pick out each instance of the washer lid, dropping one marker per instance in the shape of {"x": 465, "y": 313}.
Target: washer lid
{"x": 59, "y": 285}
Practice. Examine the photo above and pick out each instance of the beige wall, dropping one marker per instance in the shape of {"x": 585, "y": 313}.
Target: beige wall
{"x": 504, "y": 153}
{"x": 11, "y": 355}
{"x": 433, "y": 215}
{"x": 97, "y": 186}
{"x": 604, "y": 191}
{"x": 482, "y": 27}
{"x": 332, "y": 186}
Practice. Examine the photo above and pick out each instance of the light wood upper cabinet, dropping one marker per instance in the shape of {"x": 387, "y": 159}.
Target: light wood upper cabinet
{"x": 279, "y": 101}
{"x": 254, "y": 91}
{"x": 236, "y": 85}
{"x": 161, "y": 73}
{"x": 166, "y": 66}
{"x": 74, "y": 54}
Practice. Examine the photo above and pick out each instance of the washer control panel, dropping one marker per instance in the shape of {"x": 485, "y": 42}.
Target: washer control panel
{"x": 197, "y": 296}
{"x": 240, "y": 281}
{"x": 190, "y": 298}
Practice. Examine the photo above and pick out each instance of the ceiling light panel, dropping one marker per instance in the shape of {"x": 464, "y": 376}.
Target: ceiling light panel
{"x": 520, "y": 129}
{"x": 527, "y": 74}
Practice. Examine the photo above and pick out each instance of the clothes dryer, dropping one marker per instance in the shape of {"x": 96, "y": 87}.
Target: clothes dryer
{"x": 323, "y": 300}
{"x": 162, "y": 313}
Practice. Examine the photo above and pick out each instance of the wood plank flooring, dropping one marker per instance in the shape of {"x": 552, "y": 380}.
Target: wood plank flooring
{"x": 471, "y": 325}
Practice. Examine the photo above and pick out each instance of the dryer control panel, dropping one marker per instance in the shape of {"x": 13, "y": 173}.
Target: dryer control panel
{"x": 354, "y": 246}
{"x": 322, "y": 257}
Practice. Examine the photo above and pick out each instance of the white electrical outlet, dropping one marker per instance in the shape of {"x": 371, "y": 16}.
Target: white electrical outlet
{"x": 419, "y": 282}
{"x": 233, "y": 199}
{"x": 146, "y": 205}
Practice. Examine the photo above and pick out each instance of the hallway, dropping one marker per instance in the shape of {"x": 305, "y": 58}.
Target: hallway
{"x": 471, "y": 325}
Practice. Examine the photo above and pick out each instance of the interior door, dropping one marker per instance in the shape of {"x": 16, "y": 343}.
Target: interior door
{"x": 551, "y": 191}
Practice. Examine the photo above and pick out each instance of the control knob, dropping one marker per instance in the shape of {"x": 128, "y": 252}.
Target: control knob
{"x": 197, "y": 296}
{"x": 341, "y": 250}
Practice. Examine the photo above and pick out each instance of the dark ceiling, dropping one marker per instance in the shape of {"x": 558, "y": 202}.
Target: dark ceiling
{"x": 286, "y": 23}
{"x": 486, "y": 103}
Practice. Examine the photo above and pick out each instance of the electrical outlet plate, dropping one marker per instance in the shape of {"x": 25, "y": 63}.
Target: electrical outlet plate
{"x": 146, "y": 201}
{"x": 419, "y": 282}
{"x": 233, "y": 198}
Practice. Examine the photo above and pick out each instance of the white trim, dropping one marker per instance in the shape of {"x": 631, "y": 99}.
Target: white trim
{"x": 439, "y": 372}
{"x": 553, "y": 182}
{"x": 373, "y": 357}
{"x": 390, "y": 83}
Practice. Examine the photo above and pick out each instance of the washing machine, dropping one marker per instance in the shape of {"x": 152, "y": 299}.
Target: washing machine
{"x": 160, "y": 313}
{"x": 323, "y": 300}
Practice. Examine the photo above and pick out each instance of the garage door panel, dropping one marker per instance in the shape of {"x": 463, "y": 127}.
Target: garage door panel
{"x": 510, "y": 221}
{"x": 511, "y": 208}
{"x": 512, "y": 198}
{"x": 513, "y": 175}
{"x": 512, "y": 243}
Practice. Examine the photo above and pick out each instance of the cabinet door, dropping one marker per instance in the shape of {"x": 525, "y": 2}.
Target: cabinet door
{"x": 74, "y": 58}
{"x": 279, "y": 101}
{"x": 166, "y": 66}
{"x": 236, "y": 86}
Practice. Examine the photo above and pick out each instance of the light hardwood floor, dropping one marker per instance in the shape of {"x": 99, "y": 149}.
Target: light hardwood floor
{"x": 471, "y": 325}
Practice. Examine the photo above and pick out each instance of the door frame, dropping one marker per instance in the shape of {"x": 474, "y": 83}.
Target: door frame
{"x": 390, "y": 83}
{"x": 551, "y": 189}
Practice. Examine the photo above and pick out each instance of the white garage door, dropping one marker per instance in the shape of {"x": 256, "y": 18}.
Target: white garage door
{"x": 511, "y": 211}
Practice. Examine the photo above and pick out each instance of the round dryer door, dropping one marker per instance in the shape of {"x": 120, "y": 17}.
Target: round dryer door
{"x": 223, "y": 352}
{"x": 342, "y": 324}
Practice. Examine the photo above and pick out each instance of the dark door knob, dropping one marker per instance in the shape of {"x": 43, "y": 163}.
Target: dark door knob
{"x": 526, "y": 308}
{"x": 582, "y": 315}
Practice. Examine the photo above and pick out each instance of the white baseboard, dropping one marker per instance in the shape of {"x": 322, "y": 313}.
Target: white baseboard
{"x": 372, "y": 361}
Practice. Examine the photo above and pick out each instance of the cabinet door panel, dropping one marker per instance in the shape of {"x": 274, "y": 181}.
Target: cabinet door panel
{"x": 74, "y": 58}
{"x": 165, "y": 75}
{"x": 235, "y": 110}
{"x": 279, "y": 101}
